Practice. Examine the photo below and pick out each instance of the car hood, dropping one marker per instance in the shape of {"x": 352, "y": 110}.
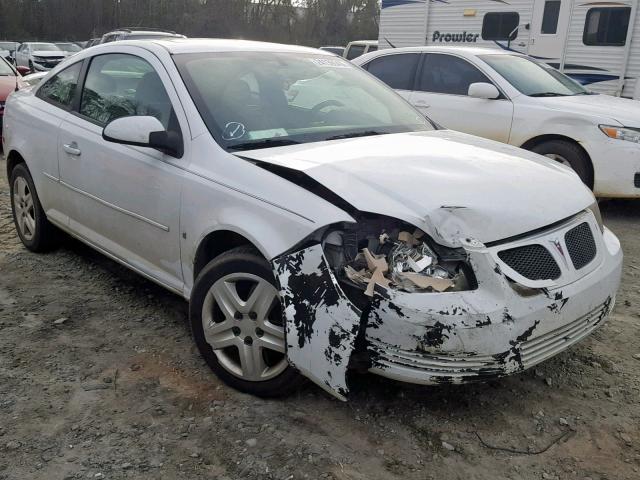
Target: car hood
{"x": 49, "y": 53}
{"x": 623, "y": 110}
{"x": 450, "y": 184}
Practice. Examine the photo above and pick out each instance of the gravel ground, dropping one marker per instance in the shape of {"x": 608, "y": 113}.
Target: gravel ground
{"x": 99, "y": 378}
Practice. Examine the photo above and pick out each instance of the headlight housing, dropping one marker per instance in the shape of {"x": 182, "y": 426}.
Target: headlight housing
{"x": 595, "y": 209}
{"x": 621, "y": 133}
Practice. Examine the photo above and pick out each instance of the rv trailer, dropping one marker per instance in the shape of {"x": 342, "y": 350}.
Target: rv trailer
{"x": 595, "y": 42}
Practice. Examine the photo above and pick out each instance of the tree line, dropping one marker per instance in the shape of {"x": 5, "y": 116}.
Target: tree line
{"x": 305, "y": 22}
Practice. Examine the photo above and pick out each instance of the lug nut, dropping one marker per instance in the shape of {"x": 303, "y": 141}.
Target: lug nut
{"x": 237, "y": 316}
{"x": 236, "y": 331}
{"x": 248, "y": 341}
{"x": 253, "y": 315}
{"x": 259, "y": 332}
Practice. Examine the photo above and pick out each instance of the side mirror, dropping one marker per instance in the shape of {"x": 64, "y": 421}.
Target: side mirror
{"x": 23, "y": 70}
{"x": 143, "y": 131}
{"x": 483, "y": 90}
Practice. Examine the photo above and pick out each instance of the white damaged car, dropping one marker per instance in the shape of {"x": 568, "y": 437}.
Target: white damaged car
{"x": 314, "y": 220}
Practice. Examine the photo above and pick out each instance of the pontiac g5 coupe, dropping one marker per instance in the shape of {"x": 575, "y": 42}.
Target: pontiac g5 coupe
{"x": 315, "y": 221}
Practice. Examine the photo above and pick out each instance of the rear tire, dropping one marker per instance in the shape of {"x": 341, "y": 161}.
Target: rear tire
{"x": 244, "y": 342}
{"x": 33, "y": 227}
{"x": 569, "y": 154}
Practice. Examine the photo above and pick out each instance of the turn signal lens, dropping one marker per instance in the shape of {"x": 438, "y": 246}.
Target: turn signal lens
{"x": 621, "y": 133}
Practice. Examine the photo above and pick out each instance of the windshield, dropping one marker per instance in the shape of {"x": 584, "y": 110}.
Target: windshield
{"x": 44, "y": 46}
{"x": 535, "y": 79}
{"x": 6, "y": 69}
{"x": 257, "y": 100}
{"x": 68, "y": 47}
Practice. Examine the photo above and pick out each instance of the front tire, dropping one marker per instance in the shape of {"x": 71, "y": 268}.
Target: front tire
{"x": 568, "y": 154}
{"x": 33, "y": 227}
{"x": 237, "y": 324}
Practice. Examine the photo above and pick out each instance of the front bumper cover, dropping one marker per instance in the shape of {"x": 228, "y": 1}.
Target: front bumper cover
{"x": 432, "y": 338}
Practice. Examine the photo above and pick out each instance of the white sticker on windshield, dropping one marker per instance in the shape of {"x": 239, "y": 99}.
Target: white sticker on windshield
{"x": 331, "y": 62}
{"x": 262, "y": 134}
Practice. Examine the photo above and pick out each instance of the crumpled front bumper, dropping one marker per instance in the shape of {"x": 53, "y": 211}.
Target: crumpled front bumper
{"x": 493, "y": 331}
{"x": 431, "y": 338}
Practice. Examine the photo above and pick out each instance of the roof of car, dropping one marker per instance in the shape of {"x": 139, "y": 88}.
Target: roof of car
{"x": 364, "y": 42}
{"x": 202, "y": 45}
{"x": 459, "y": 49}
{"x": 434, "y": 48}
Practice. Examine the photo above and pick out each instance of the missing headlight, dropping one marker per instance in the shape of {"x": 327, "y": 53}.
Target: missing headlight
{"x": 382, "y": 252}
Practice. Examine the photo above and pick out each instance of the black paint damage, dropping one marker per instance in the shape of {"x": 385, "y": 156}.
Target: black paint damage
{"x": 327, "y": 335}
{"x": 321, "y": 323}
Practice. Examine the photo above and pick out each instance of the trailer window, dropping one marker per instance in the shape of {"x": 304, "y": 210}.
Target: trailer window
{"x": 397, "y": 71}
{"x": 606, "y": 26}
{"x": 500, "y": 26}
{"x": 550, "y": 17}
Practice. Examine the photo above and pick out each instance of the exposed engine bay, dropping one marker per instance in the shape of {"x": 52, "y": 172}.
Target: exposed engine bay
{"x": 388, "y": 253}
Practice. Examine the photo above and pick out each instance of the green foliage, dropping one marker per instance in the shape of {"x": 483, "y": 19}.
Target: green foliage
{"x": 306, "y": 22}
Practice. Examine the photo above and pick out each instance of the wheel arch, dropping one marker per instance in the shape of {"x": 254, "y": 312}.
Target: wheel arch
{"x": 216, "y": 243}
{"x": 535, "y": 141}
{"x": 14, "y": 158}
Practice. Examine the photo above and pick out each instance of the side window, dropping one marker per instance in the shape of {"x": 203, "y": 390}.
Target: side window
{"x": 397, "y": 71}
{"x": 61, "y": 88}
{"x": 448, "y": 74}
{"x": 355, "y": 51}
{"x": 550, "y": 17}
{"x": 372, "y": 48}
{"x": 500, "y": 26}
{"x": 606, "y": 26}
{"x": 120, "y": 85}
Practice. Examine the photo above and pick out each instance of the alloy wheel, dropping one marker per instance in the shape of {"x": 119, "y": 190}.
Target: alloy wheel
{"x": 242, "y": 322}
{"x": 24, "y": 208}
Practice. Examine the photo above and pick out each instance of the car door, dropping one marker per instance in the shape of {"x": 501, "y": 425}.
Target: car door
{"x": 441, "y": 93}
{"x": 20, "y": 55}
{"x": 397, "y": 70}
{"x": 42, "y": 117}
{"x": 126, "y": 200}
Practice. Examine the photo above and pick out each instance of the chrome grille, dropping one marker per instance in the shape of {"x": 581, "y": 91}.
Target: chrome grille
{"x": 549, "y": 344}
{"x": 581, "y": 245}
{"x": 531, "y": 261}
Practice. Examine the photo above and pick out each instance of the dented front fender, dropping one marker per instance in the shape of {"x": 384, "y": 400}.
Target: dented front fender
{"x": 321, "y": 323}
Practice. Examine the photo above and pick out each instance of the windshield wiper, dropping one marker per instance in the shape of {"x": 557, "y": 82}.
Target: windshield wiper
{"x": 548, "y": 94}
{"x": 266, "y": 143}
{"x": 366, "y": 133}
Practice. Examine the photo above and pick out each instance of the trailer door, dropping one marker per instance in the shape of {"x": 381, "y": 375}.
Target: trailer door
{"x": 598, "y": 44}
{"x": 549, "y": 28}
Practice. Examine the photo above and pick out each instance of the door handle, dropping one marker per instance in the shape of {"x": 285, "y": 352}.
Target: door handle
{"x": 522, "y": 44}
{"x": 422, "y": 104}
{"x": 72, "y": 149}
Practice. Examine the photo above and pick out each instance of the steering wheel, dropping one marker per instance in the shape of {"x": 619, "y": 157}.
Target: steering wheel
{"x": 327, "y": 103}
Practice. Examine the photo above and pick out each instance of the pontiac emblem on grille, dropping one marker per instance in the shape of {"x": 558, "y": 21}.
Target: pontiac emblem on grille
{"x": 558, "y": 246}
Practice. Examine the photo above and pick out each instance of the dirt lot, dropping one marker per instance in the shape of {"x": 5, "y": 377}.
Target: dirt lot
{"x": 99, "y": 378}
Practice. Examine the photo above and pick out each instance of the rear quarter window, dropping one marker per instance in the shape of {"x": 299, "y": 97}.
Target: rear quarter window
{"x": 397, "y": 71}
